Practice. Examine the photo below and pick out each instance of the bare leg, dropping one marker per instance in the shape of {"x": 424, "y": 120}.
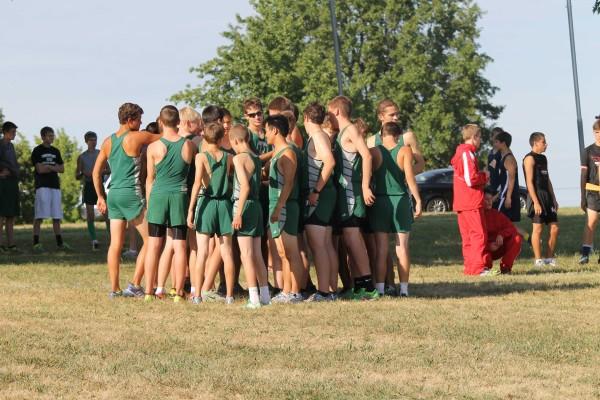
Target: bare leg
{"x": 117, "y": 231}
{"x": 590, "y": 227}
{"x": 10, "y": 231}
{"x": 198, "y": 272}
{"x": 536, "y": 234}
{"x": 305, "y": 263}
{"x": 246, "y": 244}
{"x": 153, "y": 247}
{"x": 179, "y": 264}
{"x": 228, "y": 266}
{"x": 276, "y": 263}
{"x": 141, "y": 225}
{"x": 192, "y": 257}
{"x": 317, "y": 241}
{"x": 357, "y": 250}
{"x": 552, "y": 238}
{"x": 36, "y": 227}
{"x": 165, "y": 262}
{"x": 287, "y": 246}
{"x": 403, "y": 253}
{"x": 333, "y": 260}
{"x": 371, "y": 244}
{"x": 382, "y": 245}
{"x": 56, "y": 227}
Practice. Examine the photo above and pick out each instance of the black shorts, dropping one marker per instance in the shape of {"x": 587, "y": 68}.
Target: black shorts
{"x": 352, "y": 222}
{"x": 592, "y": 199}
{"x": 89, "y": 194}
{"x": 548, "y": 214}
{"x": 314, "y": 220}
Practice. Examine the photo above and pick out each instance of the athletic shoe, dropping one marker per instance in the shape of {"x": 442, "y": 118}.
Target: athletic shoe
{"x": 318, "y": 297}
{"x": 196, "y": 300}
{"x": 187, "y": 285}
{"x": 333, "y": 296}
{"x": 95, "y": 245}
{"x": 346, "y": 294}
{"x": 229, "y": 300}
{"x": 391, "y": 290}
{"x": 295, "y": 298}
{"x": 252, "y": 306}
{"x": 267, "y": 303}
{"x": 403, "y": 294}
{"x": 133, "y": 291}
{"x": 539, "y": 263}
{"x": 130, "y": 254}
{"x": 172, "y": 293}
{"x": 161, "y": 296}
{"x": 3, "y": 249}
{"x": 363, "y": 294}
{"x": 551, "y": 262}
{"x": 212, "y": 296}
{"x": 585, "y": 259}
{"x": 238, "y": 290}
{"x": 222, "y": 289}
{"x": 490, "y": 272}
{"x": 64, "y": 247}
{"x": 148, "y": 298}
{"x": 13, "y": 250}
{"x": 38, "y": 248}
{"x": 281, "y": 298}
{"x": 178, "y": 299}
{"x": 116, "y": 294}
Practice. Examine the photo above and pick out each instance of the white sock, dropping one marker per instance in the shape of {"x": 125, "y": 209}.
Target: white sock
{"x": 404, "y": 288}
{"x": 160, "y": 290}
{"x": 265, "y": 296}
{"x": 192, "y": 291}
{"x": 253, "y": 294}
{"x": 380, "y": 287}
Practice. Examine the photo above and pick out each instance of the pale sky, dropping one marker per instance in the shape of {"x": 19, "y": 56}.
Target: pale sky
{"x": 70, "y": 65}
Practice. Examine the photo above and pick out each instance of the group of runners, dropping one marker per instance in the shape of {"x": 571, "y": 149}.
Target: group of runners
{"x": 208, "y": 196}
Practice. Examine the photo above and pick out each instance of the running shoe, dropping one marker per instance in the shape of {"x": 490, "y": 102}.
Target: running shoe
{"x": 391, "y": 291}
{"x": 64, "y": 247}
{"x": 363, "y": 294}
{"x": 95, "y": 245}
{"x": 13, "y": 250}
{"x": 222, "y": 289}
{"x": 38, "y": 248}
{"x": 295, "y": 298}
{"x": 551, "y": 262}
{"x": 148, "y": 298}
{"x": 490, "y": 272}
{"x": 116, "y": 294}
{"x": 252, "y": 306}
{"x": 212, "y": 296}
{"x": 229, "y": 300}
{"x": 178, "y": 299}
{"x": 318, "y": 297}
{"x": 539, "y": 263}
{"x": 133, "y": 291}
{"x": 130, "y": 254}
{"x": 172, "y": 293}
{"x": 281, "y": 298}
{"x": 238, "y": 290}
{"x": 196, "y": 300}
{"x": 584, "y": 259}
{"x": 346, "y": 294}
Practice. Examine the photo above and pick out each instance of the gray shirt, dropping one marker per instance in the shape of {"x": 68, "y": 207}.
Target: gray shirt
{"x": 8, "y": 158}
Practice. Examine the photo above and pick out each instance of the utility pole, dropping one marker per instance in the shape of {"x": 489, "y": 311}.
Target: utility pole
{"x": 336, "y": 46}
{"x": 575, "y": 81}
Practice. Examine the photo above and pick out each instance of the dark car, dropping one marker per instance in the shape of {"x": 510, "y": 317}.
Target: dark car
{"x": 435, "y": 187}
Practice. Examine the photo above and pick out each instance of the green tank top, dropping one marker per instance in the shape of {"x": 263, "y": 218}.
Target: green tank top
{"x": 219, "y": 185}
{"x": 276, "y": 179}
{"x": 389, "y": 179}
{"x": 259, "y": 145}
{"x": 378, "y": 140}
{"x": 125, "y": 170}
{"x": 254, "y": 180}
{"x": 312, "y": 172}
{"x": 172, "y": 170}
{"x": 300, "y": 167}
{"x": 350, "y": 181}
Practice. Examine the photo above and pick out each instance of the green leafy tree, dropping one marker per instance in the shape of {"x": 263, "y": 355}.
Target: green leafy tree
{"x": 597, "y": 7}
{"x": 422, "y": 54}
{"x": 1, "y": 117}
{"x": 70, "y": 187}
{"x": 26, "y": 183}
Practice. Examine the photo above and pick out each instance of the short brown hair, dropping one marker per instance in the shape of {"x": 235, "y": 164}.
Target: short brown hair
{"x": 596, "y": 126}
{"x": 281, "y": 103}
{"x": 469, "y": 131}
{"x": 252, "y": 102}
{"x": 362, "y": 126}
{"x": 239, "y": 132}
{"x": 330, "y": 123}
{"x": 169, "y": 116}
{"x": 391, "y": 128}
{"x": 213, "y": 132}
{"x": 385, "y": 103}
{"x": 290, "y": 117}
{"x": 342, "y": 103}
{"x": 535, "y": 136}
{"x": 315, "y": 113}
{"x": 129, "y": 111}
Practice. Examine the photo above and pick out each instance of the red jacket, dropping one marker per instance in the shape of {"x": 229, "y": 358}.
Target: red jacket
{"x": 468, "y": 180}
{"x": 498, "y": 224}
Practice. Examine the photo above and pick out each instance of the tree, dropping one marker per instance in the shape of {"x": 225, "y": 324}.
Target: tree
{"x": 1, "y": 117}
{"x": 26, "y": 183}
{"x": 597, "y": 7}
{"x": 70, "y": 187}
{"x": 422, "y": 54}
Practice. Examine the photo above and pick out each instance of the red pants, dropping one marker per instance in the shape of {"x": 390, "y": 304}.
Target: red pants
{"x": 473, "y": 233}
{"x": 509, "y": 252}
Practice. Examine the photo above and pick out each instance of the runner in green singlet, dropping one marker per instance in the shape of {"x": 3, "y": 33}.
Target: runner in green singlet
{"x": 209, "y": 213}
{"x": 283, "y": 208}
{"x": 125, "y": 203}
{"x": 169, "y": 160}
{"x": 392, "y": 212}
{"x": 355, "y": 195}
{"x": 247, "y": 216}
{"x": 321, "y": 202}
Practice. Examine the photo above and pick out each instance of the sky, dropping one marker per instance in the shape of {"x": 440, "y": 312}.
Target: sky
{"x": 71, "y": 64}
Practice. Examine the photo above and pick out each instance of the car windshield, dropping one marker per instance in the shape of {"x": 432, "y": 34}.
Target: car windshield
{"x": 433, "y": 175}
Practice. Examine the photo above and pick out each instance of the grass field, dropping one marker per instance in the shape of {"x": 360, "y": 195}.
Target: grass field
{"x": 532, "y": 335}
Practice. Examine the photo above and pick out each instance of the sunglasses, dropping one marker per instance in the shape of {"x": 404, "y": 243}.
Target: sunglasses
{"x": 254, "y": 115}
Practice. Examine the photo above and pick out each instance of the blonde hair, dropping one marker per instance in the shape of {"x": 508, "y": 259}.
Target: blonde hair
{"x": 385, "y": 103}
{"x": 213, "y": 132}
{"x": 188, "y": 114}
{"x": 362, "y": 126}
{"x": 342, "y": 103}
{"x": 469, "y": 131}
{"x": 239, "y": 132}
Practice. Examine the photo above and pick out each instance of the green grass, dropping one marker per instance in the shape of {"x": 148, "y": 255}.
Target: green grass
{"x": 530, "y": 335}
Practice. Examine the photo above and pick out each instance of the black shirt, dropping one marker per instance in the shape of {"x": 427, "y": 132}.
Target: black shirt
{"x": 493, "y": 166}
{"x": 48, "y": 156}
{"x": 592, "y": 162}
{"x": 541, "y": 180}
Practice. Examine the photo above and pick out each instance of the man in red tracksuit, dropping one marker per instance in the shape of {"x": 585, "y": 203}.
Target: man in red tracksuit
{"x": 469, "y": 183}
{"x": 504, "y": 239}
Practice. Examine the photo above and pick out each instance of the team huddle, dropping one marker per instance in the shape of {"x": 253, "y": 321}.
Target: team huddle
{"x": 209, "y": 197}
{"x": 218, "y": 196}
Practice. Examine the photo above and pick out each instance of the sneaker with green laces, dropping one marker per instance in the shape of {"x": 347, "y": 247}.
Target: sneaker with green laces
{"x": 364, "y": 294}
{"x": 346, "y": 294}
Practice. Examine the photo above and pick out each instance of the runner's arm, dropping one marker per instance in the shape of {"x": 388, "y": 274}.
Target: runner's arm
{"x": 244, "y": 180}
{"x": 410, "y": 139}
{"x": 529, "y": 163}
{"x": 406, "y": 163}
{"x": 99, "y": 168}
{"x": 367, "y": 166}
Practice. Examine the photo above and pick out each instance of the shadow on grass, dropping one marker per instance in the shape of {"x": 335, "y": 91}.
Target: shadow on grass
{"x": 458, "y": 290}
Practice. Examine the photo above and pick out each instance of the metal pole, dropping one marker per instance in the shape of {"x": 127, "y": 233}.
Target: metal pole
{"x": 336, "y": 46}
{"x": 576, "y": 82}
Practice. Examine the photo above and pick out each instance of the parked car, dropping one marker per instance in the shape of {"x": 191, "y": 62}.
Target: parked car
{"x": 435, "y": 187}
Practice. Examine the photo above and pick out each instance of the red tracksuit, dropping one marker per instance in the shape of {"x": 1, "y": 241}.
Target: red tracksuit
{"x": 468, "y": 204}
{"x": 498, "y": 224}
